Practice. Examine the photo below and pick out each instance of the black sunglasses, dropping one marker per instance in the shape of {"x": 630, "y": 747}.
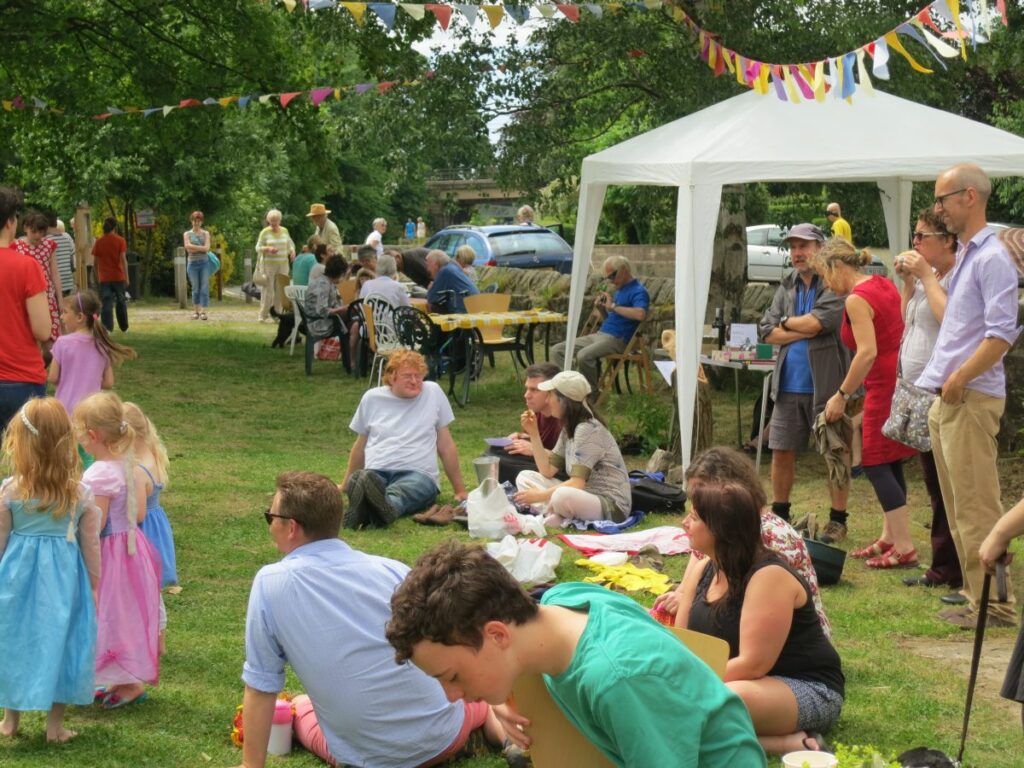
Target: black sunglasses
{"x": 612, "y": 275}
{"x": 269, "y": 516}
{"x": 831, "y": 213}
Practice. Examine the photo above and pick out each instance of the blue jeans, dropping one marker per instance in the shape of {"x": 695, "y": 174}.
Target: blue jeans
{"x": 407, "y": 490}
{"x": 199, "y": 277}
{"x": 111, "y": 294}
{"x": 13, "y": 395}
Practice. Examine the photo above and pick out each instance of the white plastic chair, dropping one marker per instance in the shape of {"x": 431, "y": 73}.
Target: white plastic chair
{"x": 379, "y": 317}
{"x": 297, "y": 295}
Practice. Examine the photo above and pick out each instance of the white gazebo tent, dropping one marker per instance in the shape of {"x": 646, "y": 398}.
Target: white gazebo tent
{"x": 751, "y": 138}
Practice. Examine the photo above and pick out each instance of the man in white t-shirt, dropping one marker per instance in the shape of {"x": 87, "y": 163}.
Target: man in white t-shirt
{"x": 376, "y": 237}
{"x": 401, "y": 428}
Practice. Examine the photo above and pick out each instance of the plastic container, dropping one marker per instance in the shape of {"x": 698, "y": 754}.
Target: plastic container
{"x": 280, "y": 742}
{"x": 808, "y": 759}
{"x": 828, "y": 561}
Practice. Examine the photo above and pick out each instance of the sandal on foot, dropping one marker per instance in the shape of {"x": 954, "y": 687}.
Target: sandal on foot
{"x": 818, "y": 739}
{"x": 894, "y": 559}
{"x": 195, "y": 315}
{"x": 202, "y": 316}
{"x": 114, "y": 700}
{"x": 873, "y": 550}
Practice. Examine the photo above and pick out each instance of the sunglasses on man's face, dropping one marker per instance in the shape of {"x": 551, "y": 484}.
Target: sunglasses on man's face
{"x": 831, "y": 213}
{"x": 613, "y": 274}
{"x": 269, "y": 516}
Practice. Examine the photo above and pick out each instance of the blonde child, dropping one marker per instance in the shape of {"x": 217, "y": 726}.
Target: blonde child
{"x": 85, "y": 356}
{"x": 128, "y": 611}
{"x": 49, "y": 571}
{"x": 152, "y": 458}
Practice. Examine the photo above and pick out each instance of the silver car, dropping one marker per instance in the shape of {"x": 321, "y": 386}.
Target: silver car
{"x": 767, "y": 254}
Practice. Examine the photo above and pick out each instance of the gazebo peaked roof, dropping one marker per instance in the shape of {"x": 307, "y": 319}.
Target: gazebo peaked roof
{"x": 748, "y": 138}
{"x": 751, "y": 138}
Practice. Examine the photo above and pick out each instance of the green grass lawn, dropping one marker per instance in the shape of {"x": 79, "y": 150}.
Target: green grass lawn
{"x": 234, "y": 413}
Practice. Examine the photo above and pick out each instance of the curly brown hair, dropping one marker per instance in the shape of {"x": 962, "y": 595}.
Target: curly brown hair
{"x": 721, "y": 464}
{"x": 448, "y": 597}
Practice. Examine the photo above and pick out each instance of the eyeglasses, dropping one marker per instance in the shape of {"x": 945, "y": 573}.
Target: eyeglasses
{"x": 922, "y": 235}
{"x": 410, "y": 376}
{"x": 612, "y": 275}
{"x": 831, "y": 213}
{"x": 269, "y": 516}
{"x": 940, "y": 200}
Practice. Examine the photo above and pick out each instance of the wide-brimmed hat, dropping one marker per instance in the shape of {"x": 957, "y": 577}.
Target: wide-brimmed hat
{"x": 572, "y": 384}
{"x": 317, "y": 209}
{"x": 806, "y": 232}
{"x": 1013, "y": 241}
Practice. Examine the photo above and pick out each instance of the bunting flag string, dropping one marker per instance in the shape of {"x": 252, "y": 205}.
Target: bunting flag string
{"x": 317, "y": 96}
{"x": 939, "y": 28}
{"x": 958, "y": 21}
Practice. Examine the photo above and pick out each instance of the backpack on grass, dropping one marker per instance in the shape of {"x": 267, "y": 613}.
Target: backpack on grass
{"x": 652, "y": 495}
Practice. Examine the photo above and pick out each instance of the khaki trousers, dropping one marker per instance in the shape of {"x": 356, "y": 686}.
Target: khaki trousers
{"x": 964, "y": 447}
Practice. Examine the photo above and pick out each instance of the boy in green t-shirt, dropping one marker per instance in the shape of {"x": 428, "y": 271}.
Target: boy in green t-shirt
{"x": 627, "y": 683}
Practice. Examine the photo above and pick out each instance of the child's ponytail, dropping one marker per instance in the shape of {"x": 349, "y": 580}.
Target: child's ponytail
{"x": 88, "y": 305}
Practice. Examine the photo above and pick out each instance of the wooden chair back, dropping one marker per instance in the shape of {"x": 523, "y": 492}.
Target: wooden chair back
{"x": 556, "y": 741}
{"x": 348, "y": 290}
{"x": 489, "y": 302}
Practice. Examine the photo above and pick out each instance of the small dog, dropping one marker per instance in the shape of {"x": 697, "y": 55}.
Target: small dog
{"x": 922, "y": 757}
{"x": 285, "y": 324}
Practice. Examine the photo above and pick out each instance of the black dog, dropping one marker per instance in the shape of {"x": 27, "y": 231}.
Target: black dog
{"x": 285, "y": 324}
{"x": 922, "y": 757}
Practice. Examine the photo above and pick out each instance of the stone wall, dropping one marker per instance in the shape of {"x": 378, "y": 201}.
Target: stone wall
{"x": 647, "y": 260}
{"x": 550, "y": 290}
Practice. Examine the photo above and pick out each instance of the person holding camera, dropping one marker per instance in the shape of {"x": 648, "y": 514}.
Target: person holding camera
{"x": 622, "y": 313}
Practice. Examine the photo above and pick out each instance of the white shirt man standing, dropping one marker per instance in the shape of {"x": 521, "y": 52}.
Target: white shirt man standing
{"x": 376, "y": 236}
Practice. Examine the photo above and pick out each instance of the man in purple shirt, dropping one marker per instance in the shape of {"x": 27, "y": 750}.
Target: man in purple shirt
{"x": 966, "y": 370}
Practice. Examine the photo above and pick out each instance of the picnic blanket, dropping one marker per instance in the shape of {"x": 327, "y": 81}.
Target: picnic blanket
{"x": 667, "y": 539}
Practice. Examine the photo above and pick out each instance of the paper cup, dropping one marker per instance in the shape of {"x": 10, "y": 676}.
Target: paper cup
{"x": 808, "y": 759}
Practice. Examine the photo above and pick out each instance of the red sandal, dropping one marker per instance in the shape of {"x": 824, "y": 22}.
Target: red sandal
{"x": 894, "y": 559}
{"x": 872, "y": 550}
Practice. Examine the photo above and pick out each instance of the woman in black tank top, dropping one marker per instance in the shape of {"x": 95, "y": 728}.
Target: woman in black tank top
{"x": 780, "y": 662}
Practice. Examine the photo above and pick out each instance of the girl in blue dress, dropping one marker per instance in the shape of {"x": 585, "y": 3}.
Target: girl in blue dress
{"x": 49, "y": 571}
{"x": 152, "y": 458}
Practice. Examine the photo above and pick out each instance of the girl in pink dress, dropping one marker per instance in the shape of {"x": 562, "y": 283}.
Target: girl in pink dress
{"x": 36, "y": 246}
{"x": 85, "y": 356}
{"x": 128, "y": 612}
{"x": 872, "y": 328}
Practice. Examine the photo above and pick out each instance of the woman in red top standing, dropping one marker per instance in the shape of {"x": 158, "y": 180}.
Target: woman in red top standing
{"x": 872, "y": 328}
{"x": 35, "y": 245}
{"x": 110, "y": 252}
{"x": 26, "y": 318}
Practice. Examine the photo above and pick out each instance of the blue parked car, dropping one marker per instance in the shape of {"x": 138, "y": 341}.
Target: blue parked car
{"x": 508, "y": 245}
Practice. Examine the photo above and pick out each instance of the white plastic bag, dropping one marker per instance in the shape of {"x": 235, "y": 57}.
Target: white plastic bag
{"x": 486, "y": 511}
{"x": 530, "y": 561}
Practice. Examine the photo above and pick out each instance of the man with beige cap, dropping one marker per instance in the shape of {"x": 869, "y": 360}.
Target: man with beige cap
{"x": 326, "y": 229}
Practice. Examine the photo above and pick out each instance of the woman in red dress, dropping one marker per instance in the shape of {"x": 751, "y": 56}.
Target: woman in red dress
{"x": 36, "y": 246}
{"x": 872, "y": 328}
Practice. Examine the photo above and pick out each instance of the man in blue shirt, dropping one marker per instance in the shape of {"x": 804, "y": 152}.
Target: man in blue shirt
{"x": 622, "y": 313}
{"x": 451, "y": 285}
{"x": 804, "y": 319}
{"x": 323, "y": 609}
